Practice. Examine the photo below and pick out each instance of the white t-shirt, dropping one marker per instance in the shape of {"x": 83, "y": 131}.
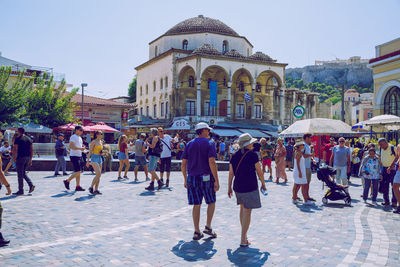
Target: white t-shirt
{"x": 166, "y": 153}
{"x": 5, "y": 149}
{"x": 77, "y": 140}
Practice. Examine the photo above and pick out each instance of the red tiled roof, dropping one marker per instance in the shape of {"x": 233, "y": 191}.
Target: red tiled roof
{"x": 395, "y": 53}
{"x": 96, "y": 101}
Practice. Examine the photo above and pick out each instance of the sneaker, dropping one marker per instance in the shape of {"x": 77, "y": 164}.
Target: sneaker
{"x": 18, "y": 193}
{"x": 119, "y": 178}
{"x": 66, "y": 184}
{"x": 295, "y": 201}
{"x": 31, "y": 189}
{"x": 79, "y": 188}
{"x": 3, "y": 241}
{"x": 373, "y": 202}
{"x": 311, "y": 199}
{"x": 150, "y": 187}
{"x": 167, "y": 183}
{"x": 56, "y": 174}
{"x": 97, "y": 192}
{"x": 91, "y": 190}
{"x": 65, "y": 173}
{"x": 160, "y": 184}
{"x": 397, "y": 210}
{"x": 126, "y": 177}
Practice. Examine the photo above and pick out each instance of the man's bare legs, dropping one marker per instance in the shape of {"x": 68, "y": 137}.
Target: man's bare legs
{"x": 196, "y": 216}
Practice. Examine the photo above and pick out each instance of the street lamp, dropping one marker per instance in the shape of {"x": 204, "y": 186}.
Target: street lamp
{"x": 83, "y": 86}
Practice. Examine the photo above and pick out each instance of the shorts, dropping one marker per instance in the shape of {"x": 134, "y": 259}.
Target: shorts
{"x": 341, "y": 172}
{"x": 140, "y": 161}
{"x": 308, "y": 175}
{"x": 77, "y": 163}
{"x": 165, "y": 164}
{"x": 122, "y": 156}
{"x": 96, "y": 159}
{"x": 153, "y": 160}
{"x": 267, "y": 162}
{"x": 289, "y": 158}
{"x": 396, "y": 179}
{"x": 250, "y": 200}
{"x": 197, "y": 189}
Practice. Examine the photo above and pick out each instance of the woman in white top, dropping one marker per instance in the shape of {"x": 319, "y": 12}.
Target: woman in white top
{"x": 299, "y": 174}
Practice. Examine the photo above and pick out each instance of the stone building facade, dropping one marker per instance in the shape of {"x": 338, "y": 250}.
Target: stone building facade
{"x": 184, "y": 61}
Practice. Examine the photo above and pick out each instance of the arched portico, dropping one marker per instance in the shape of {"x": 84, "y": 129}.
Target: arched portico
{"x": 382, "y": 94}
{"x": 268, "y": 86}
{"x": 242, "y": 82}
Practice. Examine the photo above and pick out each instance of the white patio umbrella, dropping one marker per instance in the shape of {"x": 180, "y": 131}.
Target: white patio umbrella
{"x": 317, "y": 126}
{"x": 385, "y": 119}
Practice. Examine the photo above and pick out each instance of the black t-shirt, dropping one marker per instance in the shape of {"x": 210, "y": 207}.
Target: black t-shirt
{"x": 156, "y": 147}
{"x": 246, "y": 177}
{"x": 24, "y": 146}
{"x": 256, "y": 147}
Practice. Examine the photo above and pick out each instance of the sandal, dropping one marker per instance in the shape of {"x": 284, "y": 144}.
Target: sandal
{"x": 197, "y": 236}
{"x": 245, "y": 245}
{"x": 210, "y": 232}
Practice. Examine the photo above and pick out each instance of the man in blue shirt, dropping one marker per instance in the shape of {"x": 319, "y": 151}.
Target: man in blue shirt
{"x": 61, "y": 152}
{"x": 199, "y": 168}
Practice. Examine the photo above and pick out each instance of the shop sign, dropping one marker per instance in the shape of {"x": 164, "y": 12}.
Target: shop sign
{"x": 181, "y": 125}
{"x": 106, "y": 116}
{"x": 299, "y": 111}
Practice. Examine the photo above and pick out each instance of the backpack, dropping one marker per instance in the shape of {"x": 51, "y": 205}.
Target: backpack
{"x": 158, "y": 148}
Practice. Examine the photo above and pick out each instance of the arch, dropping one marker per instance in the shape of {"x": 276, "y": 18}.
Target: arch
{"x": 225, "y": 46}
{"x": 185, "y": 44}
{"x": 269, "y": 80}
{"x": 242, "y": 80}
{"x": 184, "y": 74}
{"x": 214, "y": 73}
{"x": 392, "y": 101}
{"x": 382, "y": 91}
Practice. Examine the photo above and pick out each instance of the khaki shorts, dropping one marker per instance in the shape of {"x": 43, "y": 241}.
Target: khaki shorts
{"x": 308, "y": 175}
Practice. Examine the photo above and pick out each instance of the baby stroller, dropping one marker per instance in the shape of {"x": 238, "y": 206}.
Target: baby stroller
{"x": 335, "y": 192}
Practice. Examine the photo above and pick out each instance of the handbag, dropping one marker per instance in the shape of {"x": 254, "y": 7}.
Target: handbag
{"x": 240, "y": 161}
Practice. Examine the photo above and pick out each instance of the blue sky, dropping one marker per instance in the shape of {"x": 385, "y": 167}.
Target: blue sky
{"x": 100, "y": 42}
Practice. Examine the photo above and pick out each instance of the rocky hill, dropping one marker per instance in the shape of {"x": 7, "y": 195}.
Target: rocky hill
{"x": 335, "y": 74}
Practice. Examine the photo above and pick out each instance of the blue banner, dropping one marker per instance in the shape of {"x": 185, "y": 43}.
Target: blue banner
{"x": 213, "y": 93}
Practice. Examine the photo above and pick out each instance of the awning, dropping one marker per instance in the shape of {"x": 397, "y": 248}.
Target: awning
{"x": 226, "y": 132}
{"x": 254, "y": 133}
{"x": 273, "y": 134}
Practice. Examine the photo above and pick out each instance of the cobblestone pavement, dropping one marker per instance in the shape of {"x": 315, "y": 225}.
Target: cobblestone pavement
{"x": 130, "y": 226}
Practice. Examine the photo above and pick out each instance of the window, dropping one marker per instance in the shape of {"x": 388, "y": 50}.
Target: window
{"x": 147, "y": 111}
{"x": 369, "y": 115}
{"x": 354, "y": 99}
{"x": 224, "y": 81}
{"x": 141, "y": 111}
{"x": 141, "y": 91}
{"x": 225, "y": 47}
{"x": 357, "y": 112}
{"x": 208, "y": 83}
{"x": 241, "y": 86}
{"x": 166, "y": 82}
{"x": 154, "y": 86}
{"x": 257, "y": 111}
{"x": 185, "y": 45}
{"x": 155, "y": 111}
{"x": 240, "y": 110}
{"x": 147, "y": 89}
{"x": 162, "y": 110}
{"x": 161, "y": 84}
{"x": 258, "y": 88}
{"x": 209, "y": 111}
{"x": 190, "y": 108}
{"x": 348, "y": 98}
{"x": 166, "y": 109}
{"x": 191, "y": 81}
{"x": 156, "y": 51}
{"x": 392, "y": 101}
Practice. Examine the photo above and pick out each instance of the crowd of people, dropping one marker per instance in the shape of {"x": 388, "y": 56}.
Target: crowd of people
{"x": 250, "y": 159}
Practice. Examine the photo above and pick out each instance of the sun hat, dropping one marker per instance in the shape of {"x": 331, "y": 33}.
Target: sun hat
{"x": 202, "y": 125}
{"x": 299, "y": 143}
{"x": 245, "y": 140}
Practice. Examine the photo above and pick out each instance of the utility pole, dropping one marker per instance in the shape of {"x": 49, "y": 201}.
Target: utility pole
{"x": 342, "y": 92}
{"x": 83, "y": 86}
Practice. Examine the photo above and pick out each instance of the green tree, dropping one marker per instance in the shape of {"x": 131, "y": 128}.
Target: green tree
{"x": 132, "y": 90}
{"x": 49, "y": 105}
{"x": 12, "y": 97}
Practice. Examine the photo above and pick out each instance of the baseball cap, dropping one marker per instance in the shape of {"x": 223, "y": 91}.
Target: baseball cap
{"x": 60, "y": 134}
{"x": 202, "y": 125}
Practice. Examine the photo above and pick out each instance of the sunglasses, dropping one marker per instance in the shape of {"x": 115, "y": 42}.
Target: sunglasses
{"x": 341, "y": 141}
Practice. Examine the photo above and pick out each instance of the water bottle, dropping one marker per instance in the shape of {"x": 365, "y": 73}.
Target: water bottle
{"x": 264, "y": 192}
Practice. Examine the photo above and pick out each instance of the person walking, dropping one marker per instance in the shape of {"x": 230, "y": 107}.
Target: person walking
{"x": 308, "y": 158}
{"x": 107, "y": 154}
{"x": 96, "y": 161}
{"x": 180, "y": 149}
{"x": 3, "y": 180}
{"x": 76, "y": 148}
{"x": 155, "y": 149}
{"x": 123, "y": 156}
{"x": 326, "y": 154}
{"x": 388, "y": 159}
{"x": 165, "y": 156}
{"x": 222, "y": 150}
{"x": 244, "y": 167}
{"x": 289, "y": 155}
{"x": 5, "y": 152}
{"x": 370, "y": 169}
{"x": 280, "y": 163}
{"x": 199, "y": 169}
{"x": 140, "y": 156}
{"x": 396, "y": 187}
{"x": 299, "y": 175}
{"x": 61, "y": 152}
{"x": 23, "y": 154}
{"x": 267, "y": 153}
{"x": 340, "y": 159}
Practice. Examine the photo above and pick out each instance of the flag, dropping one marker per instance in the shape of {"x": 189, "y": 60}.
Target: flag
{"x": 247, "y": 96}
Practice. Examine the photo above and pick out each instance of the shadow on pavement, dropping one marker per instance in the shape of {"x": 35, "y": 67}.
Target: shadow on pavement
{"x": 88, "y": 197}
{"x": 8, "y": 197}
{"x": 139, "y": 182}
{"x": 51, "y": 176}
{"x": 194, "y": 251}
{"x": 337, "y": 205}
{"x": 309, "y": 208}
{"x": 354, "y": 185}
{"x": 65, "y": 193}
{"x": 147, "y": 193}
{"x": 247, "y": 256}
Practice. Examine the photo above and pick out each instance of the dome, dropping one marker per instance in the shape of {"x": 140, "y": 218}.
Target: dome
{"x": 201, "y": 24}
{"x": 206, "y": 49}
{"x": 234, "y": 53}
{"x": 261, "y": 57}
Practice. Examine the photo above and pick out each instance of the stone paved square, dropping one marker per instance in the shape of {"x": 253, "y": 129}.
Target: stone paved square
{"x": 129, "y": 226}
